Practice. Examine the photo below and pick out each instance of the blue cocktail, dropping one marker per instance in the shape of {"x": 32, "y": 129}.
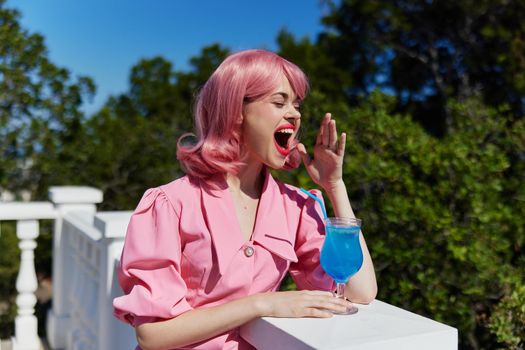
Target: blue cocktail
{"x": 341, "y": 256}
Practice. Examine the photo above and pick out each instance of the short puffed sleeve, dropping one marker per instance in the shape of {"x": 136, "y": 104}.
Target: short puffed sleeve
{"x": 149, "y": 270}
{"x": 307, "y": 272}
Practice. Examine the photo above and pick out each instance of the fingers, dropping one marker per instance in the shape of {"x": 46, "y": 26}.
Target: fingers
{"x": 325, "y": 125}
{"x": 325, "y": 311}
{"x": 326, "y": 302}
{"x": 327, "y": 136}
{"x": 318, "y": 313}
{"x": 332, "y": 139}
{"x": 342, "y": 145}
{"x": 304, "y": 155}
{"x": 303, "y": 304}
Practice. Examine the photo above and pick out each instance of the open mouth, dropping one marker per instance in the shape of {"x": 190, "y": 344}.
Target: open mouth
{"x": 282, "y": 137}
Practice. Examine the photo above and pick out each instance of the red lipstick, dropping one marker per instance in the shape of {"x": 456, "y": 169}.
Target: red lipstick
{"x": 282, "y": 137}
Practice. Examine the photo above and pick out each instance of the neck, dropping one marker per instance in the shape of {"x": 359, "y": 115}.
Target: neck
{"x": 248, "y": 181}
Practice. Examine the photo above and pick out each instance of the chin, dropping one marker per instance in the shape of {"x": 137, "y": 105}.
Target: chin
{"x": 276, "y": 164}
{"x": 291, "y": 161}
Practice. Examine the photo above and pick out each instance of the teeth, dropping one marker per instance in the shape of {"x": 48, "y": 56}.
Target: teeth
{"x": 286, "y": 131}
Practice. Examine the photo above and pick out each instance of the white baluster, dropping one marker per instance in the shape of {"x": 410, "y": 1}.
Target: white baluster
{"x": 26, "y": 326}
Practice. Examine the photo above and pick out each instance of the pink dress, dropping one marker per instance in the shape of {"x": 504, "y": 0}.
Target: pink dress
{"x": 184, "y": 249}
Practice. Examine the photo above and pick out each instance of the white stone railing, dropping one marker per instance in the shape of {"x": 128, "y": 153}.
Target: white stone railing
{"x": 91, "y": 247}
{"x": 376, "y": 326}
{"x": 27, "y": 216}
{"x": 86, "y": 249}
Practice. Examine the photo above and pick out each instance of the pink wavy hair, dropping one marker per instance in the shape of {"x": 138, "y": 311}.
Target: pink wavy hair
{"x": 244, "y": 76}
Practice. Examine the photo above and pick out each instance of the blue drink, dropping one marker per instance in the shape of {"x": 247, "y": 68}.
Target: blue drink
{"x": 341, "y": 256}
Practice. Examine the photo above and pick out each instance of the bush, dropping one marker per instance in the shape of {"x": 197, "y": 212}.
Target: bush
{"x": 444, "y": 217}
{"x": 9, "y": 264}
{"x": 508, "y": 319}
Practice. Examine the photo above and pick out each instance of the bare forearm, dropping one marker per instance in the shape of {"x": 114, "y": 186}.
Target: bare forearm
{"x": 197, "y": 325}
{"x": 362, "y": 287}
{"x": 339, "y": 200}
{"x": 201, "y": 324}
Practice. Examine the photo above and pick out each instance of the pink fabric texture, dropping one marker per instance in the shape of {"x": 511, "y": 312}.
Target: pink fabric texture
{"x": 184, "y": 249}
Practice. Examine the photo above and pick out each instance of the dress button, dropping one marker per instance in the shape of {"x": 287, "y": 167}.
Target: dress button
{"x": 248, "y": 251}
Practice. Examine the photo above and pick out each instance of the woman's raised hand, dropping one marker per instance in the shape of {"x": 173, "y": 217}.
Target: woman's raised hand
{"x": 305, "y": 303}
{"x": 326, "y": 167}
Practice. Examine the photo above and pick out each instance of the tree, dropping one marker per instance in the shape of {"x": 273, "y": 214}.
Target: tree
{"x": 39, "y": 121}
{"x": 39, "y": 105}
{"x": 130, "y": 144}
{"x": 427, "y": 52}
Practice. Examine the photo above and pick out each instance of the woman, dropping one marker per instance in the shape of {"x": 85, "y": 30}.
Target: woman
{"x": 206, "y": 253}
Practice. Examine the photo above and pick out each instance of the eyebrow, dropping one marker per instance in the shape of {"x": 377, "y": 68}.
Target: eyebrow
{"x": 285, "y": 95}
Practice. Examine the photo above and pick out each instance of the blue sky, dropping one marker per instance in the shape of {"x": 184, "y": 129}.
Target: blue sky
{"x": 103, "y": 39}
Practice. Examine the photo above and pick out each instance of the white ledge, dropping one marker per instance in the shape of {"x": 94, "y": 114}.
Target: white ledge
{"x": 83, "y": 222}
{"x": 113, "y": 224}
{"x": 75, "y": 195}
{"x": 376, "y": 326}
{"x": 26, "y": 211}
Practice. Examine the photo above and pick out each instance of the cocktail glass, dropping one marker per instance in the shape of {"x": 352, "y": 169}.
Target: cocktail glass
{"x": 341, "y": 255}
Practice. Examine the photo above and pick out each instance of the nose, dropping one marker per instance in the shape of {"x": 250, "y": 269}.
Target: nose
{"x": 292, "y": 114}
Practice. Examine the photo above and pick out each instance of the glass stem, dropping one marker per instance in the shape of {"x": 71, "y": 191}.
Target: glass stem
{"x": 340, "y": 290}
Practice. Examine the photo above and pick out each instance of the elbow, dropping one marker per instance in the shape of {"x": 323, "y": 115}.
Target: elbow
{"x": 369, "y": 297}
{"x": 145, "y": 342}
{"x": 370, "y": 294}
{"x": 366, "y": 296}
{"x": 364, "y": 299}
{"x": 368, "y": 291}
{"x": 144, "y": 345}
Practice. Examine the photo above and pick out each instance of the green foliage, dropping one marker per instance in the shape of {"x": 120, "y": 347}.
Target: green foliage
{"x": 39, "y": 107}
{"x": 444, "y": 219}
{"x": 508, "y": 319}
{"x": 130, "y": 144}
{"x": 39, "y": 119}
{"x": 7, "y": 317}
{"x": 427, "y": 52}
{"x": 9, "y": 265}
{"x": 9, "y": 259}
